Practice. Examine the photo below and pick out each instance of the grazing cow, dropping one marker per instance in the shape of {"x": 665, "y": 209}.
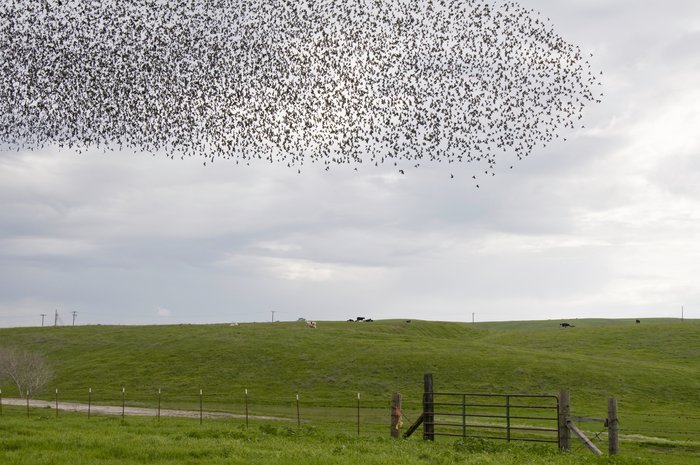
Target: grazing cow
{"x": 369, "y": 320}
{"x": 566, "y": 325}
{"x": 360, "y": 318}
{"x": 351, "y": 320}
{"x": 637, "y": 321}
{"x": 311, "y": 324}
{"x": 408, "y": 321}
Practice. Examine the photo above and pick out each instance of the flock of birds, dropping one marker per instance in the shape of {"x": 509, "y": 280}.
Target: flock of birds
{"x": 290, "y": 81}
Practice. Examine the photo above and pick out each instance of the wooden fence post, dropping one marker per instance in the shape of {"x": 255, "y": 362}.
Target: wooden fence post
{"x": 563, "y": 420}
{"x": 246, "y": 407}
{"x": 395, "y": 414}
{"x": 508, "y": 418}
{"x": 613, "y": 427}
{"x": 428, "y": 408}
{"x": 358, "y": 413}
{"x": 201, "y": 413}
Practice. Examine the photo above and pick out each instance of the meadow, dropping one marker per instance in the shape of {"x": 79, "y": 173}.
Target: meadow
{"x": 652, "y": 368}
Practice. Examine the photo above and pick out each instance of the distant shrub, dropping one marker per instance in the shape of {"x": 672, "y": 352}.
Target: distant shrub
{"x": 29, "y": 371}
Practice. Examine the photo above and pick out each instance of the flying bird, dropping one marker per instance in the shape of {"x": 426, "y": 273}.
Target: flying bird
{"x": 272, "y": 81}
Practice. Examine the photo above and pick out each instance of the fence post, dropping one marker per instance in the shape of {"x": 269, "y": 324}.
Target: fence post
{"x": 123, "y": 402}
{"x": 613, "y": 427}
{"x": 246, "y": 407}
{"x": 563, "y": 419}
{"x": 298, "y": 415}
{"x": 508, "y": 418}
{"x": 158, "y": 413}
{"x": 200, "y": 406}
{"x": 358, "y": 413}
{"x": 395, "y": 414}
{"x": 89, "y": 401}
{"x": 56, "y": 402}
{"x": 428, "y": 408}
{"x": 464, "y": 415}
{"x": 0, "y": 402}
{"x": 27, "y": 403}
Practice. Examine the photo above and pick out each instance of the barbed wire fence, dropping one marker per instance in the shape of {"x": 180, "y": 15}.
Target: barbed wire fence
{"x": 650, "y": 429}
{"x": 349, "y": 412}
{"x": 659, "y": 426}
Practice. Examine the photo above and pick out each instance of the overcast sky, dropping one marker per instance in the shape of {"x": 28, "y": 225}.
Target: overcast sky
{"x": 606, "y": 224}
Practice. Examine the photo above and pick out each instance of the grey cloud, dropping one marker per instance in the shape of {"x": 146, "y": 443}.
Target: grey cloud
{"x": 600, "y": 225}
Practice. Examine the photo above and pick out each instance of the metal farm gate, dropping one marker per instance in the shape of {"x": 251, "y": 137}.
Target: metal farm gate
{"x": 493, "y": 416}
{"x": 508, "y": 417}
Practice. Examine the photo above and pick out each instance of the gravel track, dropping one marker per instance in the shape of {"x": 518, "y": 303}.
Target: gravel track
{"x": 133, "y": 411}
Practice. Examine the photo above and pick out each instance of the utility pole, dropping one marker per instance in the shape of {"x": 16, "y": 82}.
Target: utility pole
{"x": 74, "y": 315}
{"x": 55, "y": 318}
{"x": 42, "y": 319}
{"x": 273, "y": 316}
{"x": 472, "y": 318}
{"x": 682, "y": 314}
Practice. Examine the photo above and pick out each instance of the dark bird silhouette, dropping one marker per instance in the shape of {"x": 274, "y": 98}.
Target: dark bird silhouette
{"x": 328, "y": 82}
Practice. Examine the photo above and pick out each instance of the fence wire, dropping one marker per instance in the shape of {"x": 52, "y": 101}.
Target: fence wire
{"x": 356, "y": 413}
{"x": 337, "y": 415}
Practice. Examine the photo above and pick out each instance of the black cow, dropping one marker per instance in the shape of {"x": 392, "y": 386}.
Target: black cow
{"x": 566, "y": 325}
{"x": 360, "y": 318}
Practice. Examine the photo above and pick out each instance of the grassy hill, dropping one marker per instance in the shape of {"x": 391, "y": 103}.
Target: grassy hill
{"x": 653, "y": 368}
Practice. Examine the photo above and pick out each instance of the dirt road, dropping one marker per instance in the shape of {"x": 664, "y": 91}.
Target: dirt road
{"x": 132, "y": 411}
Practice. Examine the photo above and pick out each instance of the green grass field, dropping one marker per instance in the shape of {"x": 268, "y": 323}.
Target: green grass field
{"x": 44, "y": 440}
{"x": 653, "y": 368}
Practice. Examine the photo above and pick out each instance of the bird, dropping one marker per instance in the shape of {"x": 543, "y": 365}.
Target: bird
{"x": 331, "y": 82}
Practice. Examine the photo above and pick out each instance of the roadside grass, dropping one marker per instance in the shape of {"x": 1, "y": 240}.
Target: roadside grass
{"x": 71, "y": 439}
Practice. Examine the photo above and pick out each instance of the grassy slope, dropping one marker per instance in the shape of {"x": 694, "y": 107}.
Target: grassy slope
{"x": 653, "y": 368}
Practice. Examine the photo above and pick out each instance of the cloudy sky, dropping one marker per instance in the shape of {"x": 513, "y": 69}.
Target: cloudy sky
{"x": 606, "y": 224}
